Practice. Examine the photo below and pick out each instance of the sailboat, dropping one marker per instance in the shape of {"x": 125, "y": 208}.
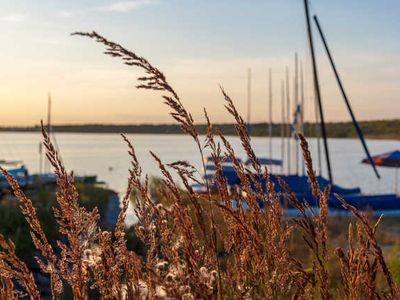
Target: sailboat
{"x": 353, "y": 196}
{"x": 25, "y": 180}
{"x": 299, "y": 183}
{"x": 378, "y": 202}
{"x": 17, "y": 169}
{"x": 48, "y": 177}
{"x": 227, "y": 165}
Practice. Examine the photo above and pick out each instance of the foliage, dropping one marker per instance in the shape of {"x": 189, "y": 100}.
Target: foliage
{"x": 14, "y": 226}
{"x": 393, "y": 258}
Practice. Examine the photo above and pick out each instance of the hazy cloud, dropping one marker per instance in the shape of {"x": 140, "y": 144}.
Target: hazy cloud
{"x": 69, "y": 14}
{"x": 13, "y": 18}
{"x": 124, "y": 6}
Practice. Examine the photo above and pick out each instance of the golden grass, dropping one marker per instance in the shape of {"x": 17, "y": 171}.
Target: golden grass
{"x": 187, "y": 235}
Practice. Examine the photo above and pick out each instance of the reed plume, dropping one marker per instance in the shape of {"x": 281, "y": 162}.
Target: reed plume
{"x": 233, "y": 242}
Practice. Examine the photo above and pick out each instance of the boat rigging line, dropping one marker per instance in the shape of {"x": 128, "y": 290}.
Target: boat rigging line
{"x": 346, "y": 100}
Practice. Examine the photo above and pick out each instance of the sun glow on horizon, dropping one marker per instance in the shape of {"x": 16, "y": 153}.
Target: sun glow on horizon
{"x": 197, "y": 53}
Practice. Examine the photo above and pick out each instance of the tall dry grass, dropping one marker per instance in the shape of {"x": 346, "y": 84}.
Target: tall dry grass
{"x": 197, "y": 246}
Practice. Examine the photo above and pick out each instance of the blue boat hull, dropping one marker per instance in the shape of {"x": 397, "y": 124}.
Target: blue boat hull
{"x": 374, "y": 202}
{"x": 384, "y": 202}
{"x": 300, "y": 187}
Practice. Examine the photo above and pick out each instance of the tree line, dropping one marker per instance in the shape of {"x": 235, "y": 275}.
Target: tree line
{"x": 384, "y": 129}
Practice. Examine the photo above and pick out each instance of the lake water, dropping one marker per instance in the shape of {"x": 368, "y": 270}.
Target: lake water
{"x": 106, "y": 156}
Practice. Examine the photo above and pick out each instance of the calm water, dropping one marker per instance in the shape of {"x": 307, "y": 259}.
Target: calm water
{"x": 106, "y": 155}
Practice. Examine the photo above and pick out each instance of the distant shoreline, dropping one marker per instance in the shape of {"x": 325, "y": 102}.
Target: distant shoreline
{"x": 381, "y": 129}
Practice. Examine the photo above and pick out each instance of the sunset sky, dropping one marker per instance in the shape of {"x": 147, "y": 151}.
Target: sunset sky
{"x": 198, "y": 45}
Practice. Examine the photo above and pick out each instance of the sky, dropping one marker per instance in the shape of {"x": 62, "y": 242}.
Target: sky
{"x": 198, "y": 45}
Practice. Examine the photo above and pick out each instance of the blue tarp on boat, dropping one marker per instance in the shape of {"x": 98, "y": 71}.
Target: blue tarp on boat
{"x": 300, "y": 186}
{"x": 296, "y": 183}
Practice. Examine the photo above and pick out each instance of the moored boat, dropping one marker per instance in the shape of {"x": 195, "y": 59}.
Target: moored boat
{"x": 17, "y": 169}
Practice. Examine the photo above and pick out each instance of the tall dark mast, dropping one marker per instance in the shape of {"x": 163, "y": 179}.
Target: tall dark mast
{"x": 49, "y": 115}
{"x": 288, "y": 123}
{"x": 346, "y": 100}
{"x": 270, "y": 113}
{"x": 249, "y": 101}
{"x": 283, "y": 125}
{"x": 46, "y": 161}
{"x": 296, "y": 105}
{"x": 302, "y": 108}
{"x": 317, "y": 92}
